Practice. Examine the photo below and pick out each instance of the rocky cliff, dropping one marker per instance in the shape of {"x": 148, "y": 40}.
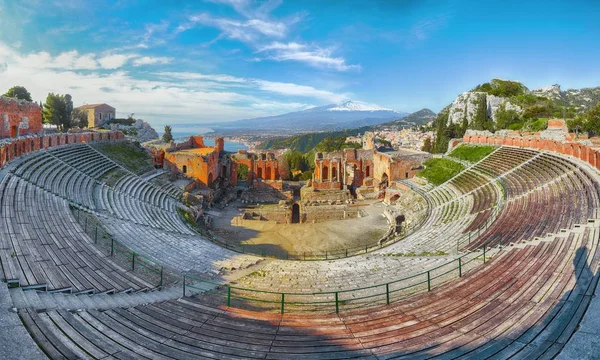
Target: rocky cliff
{"x": 140, "y": 131}
{"x": 467, "y": 105}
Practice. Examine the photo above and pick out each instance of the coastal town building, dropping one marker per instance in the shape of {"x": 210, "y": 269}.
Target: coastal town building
{"x": 98, "y": 114}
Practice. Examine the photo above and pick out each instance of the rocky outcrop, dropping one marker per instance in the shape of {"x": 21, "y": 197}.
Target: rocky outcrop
{"x": 466, "y": 106}
{"x": 140, "y": 131}
{"x": 551, "y": 92}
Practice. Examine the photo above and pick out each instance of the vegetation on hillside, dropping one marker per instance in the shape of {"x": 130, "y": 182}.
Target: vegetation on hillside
{"x": 295, "y": 165}
{"x": 130, "y": 155}
{"x": 472, "y": 153}
{"x": 536, "y": 110}
{"x": 307, "y": 142}
{"x": 504, "y": 88}
{"x": 438, "y": 170}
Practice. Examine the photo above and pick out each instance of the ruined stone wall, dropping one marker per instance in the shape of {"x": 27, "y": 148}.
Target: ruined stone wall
{"x": 263, "y": 166}
{"x": 19, "y": 117}
{"x": 312, "y": 194}
{"x": 397, "y": 168}
{"x": 12, "y": 148}
{"x": 308, "y": 214}
{"x": 320, "y": 213}
{"x": 203, "y": 168}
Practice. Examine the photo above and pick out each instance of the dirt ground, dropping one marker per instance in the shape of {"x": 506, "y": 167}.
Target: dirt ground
{"x": 318, "y": 237}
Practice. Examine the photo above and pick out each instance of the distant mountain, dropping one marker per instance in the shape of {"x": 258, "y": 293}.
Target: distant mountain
{"x": 307, "y": 142}
{"x": 350, "y": 114}
{"x": 417, "y": 118}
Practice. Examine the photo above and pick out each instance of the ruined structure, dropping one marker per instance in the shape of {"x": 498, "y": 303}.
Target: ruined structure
{"x": 263, "y": 169}
{"x": 355, "y": 168}
{"x": 19, "y": 117}
{"x": 208, "y": 165}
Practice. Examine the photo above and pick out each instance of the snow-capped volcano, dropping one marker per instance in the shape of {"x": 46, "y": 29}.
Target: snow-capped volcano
{"x": 358, "y": 106}
{"x": 348, "y": 114}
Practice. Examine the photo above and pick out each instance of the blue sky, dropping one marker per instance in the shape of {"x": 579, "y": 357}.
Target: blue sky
{"x": 217, "y": 60}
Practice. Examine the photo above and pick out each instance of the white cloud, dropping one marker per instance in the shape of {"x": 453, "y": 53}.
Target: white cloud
{"x": 182, "y": 75}
{"x": 314, "y": 56}
{"x": 280, "y": 88}
{"x": 149, "y": 60}
{"x": 72, "y": 60}
{"x": 291, "y": 89}
{"x": 245, "y": 31}
{"x": 182, "y": 97}
{"x": 114, "y": 61}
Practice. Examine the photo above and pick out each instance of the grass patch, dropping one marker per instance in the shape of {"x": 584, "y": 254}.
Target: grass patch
{"x": 472, "y": 153}
{"x": 129, "y": 155}
{"x": 438, "y": 171}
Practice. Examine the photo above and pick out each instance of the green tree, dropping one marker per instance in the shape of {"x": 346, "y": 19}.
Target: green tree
{"x": 242, "y": 171}
{"x": 592, "y": 120}
{"x": 79, "y": 118}
{"x": 55, "y": 111}
{"x": 576, "y": 124}
{"x": 167, "y": 136}
{"x": 18, "y": 92}
{"x": 480, "y": 120}
{"x": 68, "y": 111}
{"x": 427, "y": 147}
{"x": 505, "y": 118}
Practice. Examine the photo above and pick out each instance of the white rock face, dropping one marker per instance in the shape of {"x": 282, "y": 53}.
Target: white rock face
{"x": 145, "y": 132}
{"x": 466, "y": 105}
{"x": 551, "y": 92}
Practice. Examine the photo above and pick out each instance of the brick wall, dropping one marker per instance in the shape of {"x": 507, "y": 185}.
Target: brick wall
{"x": 19, "y": 118}
{"x": 13, "y": 148}
{"x": 586, "y": 153}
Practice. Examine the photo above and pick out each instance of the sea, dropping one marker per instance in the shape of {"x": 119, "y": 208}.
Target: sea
{"x": 183, "y": 133}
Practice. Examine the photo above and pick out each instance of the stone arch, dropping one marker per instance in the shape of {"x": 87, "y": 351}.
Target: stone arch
{"x": 259, "y": 173}
{"x": 325, "y": 174}
{"x": 334, "y": 176}
{"x": 295, "y": 213}
{"x": 368, "y": 171}
{"x": 268, "y": 173}
{"x": 394, "y": 198}
{"x": 384, "y": 181}
{"x": 184, "y": 169}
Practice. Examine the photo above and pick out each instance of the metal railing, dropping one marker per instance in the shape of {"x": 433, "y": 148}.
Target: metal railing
{"x": 120, "y": 253}
{"x": 384, "y": 293}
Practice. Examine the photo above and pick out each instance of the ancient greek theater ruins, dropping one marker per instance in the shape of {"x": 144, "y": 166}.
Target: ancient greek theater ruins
{"x": 100, "y": 262}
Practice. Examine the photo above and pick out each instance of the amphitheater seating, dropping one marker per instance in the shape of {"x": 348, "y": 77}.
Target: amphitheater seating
{"x": 525, "y": 303}
{"x": 182, "y": 252}
{"x": 42, "y": 244}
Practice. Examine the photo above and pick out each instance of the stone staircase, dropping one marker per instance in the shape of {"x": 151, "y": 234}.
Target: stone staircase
{"x": 43, "y": 300}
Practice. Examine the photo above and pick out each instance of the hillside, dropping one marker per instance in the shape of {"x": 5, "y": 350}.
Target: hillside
{"x": 347, "y": 115}
{"x": 308, "y": 141}
{"x": 504, "y": 104}
{"x": 417, "y": 118}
